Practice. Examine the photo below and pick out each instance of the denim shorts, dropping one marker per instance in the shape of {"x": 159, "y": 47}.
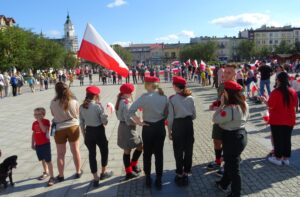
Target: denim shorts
{"x": 43, "y": 152}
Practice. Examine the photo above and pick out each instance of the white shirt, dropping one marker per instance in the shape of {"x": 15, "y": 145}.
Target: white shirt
{"x": 295, "y": 85}
{"x": 1, "y": 80}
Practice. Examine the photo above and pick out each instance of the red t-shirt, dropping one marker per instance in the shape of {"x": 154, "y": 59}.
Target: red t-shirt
{"x": 40, "y": 137}
{"x": 280, "y": 114}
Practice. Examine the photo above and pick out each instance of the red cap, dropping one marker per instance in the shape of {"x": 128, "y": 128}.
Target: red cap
{"x": 179, "y": 80}
{"x": 93, "y": 90}
{"x": 127, "y": 88}
{"x": 232, "y": 85}
{"x": 151, "y": 79}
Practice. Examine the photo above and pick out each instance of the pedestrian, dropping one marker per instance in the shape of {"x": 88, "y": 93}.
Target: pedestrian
{"x": 157, "y": 71}
{"x": 155, "y": 110}
{"x": 41, "y": 143}
{"x": 1, "y": 85}
{"x": 128, "y": 137}
{"x": 81, "y": 78}
{"x": 14, "y": 84}
{"x": 296, "y": 86}
{"x": 92, "y": 122}
{"x": 231, "y": 117}
{"x": 31, "y": 82}
{"x": 181, "y": 114}
{"x": 250, "y": 79}
{"x": 71, "y": 79}
{"x": 114, "y": 76}
{"x": 134, "y": 75}
{"x": 20, "y": 82}
{"x": 281, "y": 104}
{"x": 104, "y": 77}
{"x": 90, "y": 76}
{"x": 127, "y": 79}
{"x": 41, "y": 81}
{"x": 166, "y": 74}
{"x": 46, "y": 80}
{"x": 203, "y": 78}
{"x": 119, "y": 79}
{"x": 65, "y": 110}
{"x": 209, "y": 74}
{"x": 142, "y": 73}
{"x": 170, "y": 73}
{"x": 215, "y": 78}
{"x": 265, "y": 74}
{"x": 6, "y": 84}
{"x": 64, "y": 78}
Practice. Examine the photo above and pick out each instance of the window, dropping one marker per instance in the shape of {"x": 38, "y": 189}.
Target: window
{"x": 258, "y": 42}
{"x": 166, "y": 54}
{"x": 173, "y": 55}
{"x": 271, "y": 42}
{"x": 271, "y": 34}
{"x": 276, "y": 41}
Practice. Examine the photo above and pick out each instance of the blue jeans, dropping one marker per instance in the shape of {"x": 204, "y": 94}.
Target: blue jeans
{"x": 264, "y": 83}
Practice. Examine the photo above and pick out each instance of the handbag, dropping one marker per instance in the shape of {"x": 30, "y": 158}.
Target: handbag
{"x": 54, "y": 124}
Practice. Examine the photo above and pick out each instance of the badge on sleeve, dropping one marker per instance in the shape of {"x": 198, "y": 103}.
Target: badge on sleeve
{"x": 223, "y": 113}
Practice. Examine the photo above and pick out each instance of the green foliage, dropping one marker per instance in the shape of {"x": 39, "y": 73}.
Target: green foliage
{"x": 297, "y": 47}
{"x": 25, "y": 50}
{"x": 204, "y": 51}
{"x": 283, "y": 48}
{"x": 125, "y": 55}
{"x": 246, "y": 49}
{"x": 262, "y": 53}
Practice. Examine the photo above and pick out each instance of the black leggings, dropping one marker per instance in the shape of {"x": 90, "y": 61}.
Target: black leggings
{"x": 282, "y": 140}
{"x": 153, "y": 138}
{"x": 183, "y": 141}
{"x": 95, "y": 136}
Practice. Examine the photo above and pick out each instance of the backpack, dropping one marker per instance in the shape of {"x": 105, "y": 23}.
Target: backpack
{"x": 14, "y": 81}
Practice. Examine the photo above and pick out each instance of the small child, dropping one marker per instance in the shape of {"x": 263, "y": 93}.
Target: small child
{"x": 203, "y": 78}
{"x": 41, "y": 143}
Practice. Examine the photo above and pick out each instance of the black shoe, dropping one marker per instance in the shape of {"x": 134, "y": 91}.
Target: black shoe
{"x": 178, "y": 180}
{"x": 158, "y": 183}
{"x": 148, "y": 181}
{"x": 78, "y": 175}
{"x": 96, "y": 183}
{"x": 221, "y": 187}
{"x": 233, "y": 195}
{"x": 213, "y": 166}
{"x": 131, "y": 175}
{"x": 136, "y": 169}
{"x": 185, "y": 180}
{"x": 60, "y": 178}
{"x": 106, "y": 175}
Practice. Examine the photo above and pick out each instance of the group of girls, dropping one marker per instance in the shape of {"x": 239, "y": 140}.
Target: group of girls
{"x": 177, "y": 112}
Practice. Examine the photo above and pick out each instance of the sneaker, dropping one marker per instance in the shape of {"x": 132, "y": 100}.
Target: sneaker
{"x": 185, "y": 180}
{"x": 220, "y": 172}
{"x": 136, "y": 169}
{"x": 78, "y": 175}
{"x": 106, "y": 175}
{"x": 131, "y": 175}
{"x": 51, "y": 181}
{"x": 221, "y": 187}
{"x": 275, "y": 161}
{"x": 60, "y": 178}
{"x": 213, "y": 166}
{"x": 148, "y": 181}
{"x": 95, "y": 183}
{"x": 158, "y": 183}
{"x": 286, "y": 162}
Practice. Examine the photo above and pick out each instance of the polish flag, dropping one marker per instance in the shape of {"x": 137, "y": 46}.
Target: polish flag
{"x": 195, "y": 63}
{"x": 94, "y": 48}
{"x": 254, "y": 89}
{"x": 202, "y": 65}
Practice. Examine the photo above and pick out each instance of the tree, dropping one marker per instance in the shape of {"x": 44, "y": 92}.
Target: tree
{"x": 204, "y": 51}
{"x": 297, "y": 47}
{"x": 245, "y": 49}
{"x": 262, "y": 53}
{"x": 70, "y": 61}
{"x": 283, "y": 48}
{"x": 125, "y": 55}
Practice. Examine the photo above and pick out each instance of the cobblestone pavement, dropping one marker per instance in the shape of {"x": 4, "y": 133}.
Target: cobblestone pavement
{"x": 260, "y": 178}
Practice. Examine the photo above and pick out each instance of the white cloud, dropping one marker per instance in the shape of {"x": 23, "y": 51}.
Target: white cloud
{"x": 184, "y": 34}
{"x": 116, "y": 3}
{"x": 242, "y": 20}
{"x": 122, "y": 43}
{"x": 54, "y": 33}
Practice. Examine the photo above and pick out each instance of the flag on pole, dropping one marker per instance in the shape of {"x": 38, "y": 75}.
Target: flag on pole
{"x": 94, "y": 48}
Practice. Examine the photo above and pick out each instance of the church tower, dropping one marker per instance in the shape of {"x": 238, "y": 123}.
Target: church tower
{"x": 70, "y": 38}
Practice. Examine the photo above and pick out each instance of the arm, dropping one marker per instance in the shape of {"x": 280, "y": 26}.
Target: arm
{"x": 125, "y": 109}
{"x": 194, "y": 116}
{"x": 170, "y": 118}
{"x": 82, "y": 123}
{"x": 101, "y": 114}
{"x": 32, "y": 141}
{"x": 133, "y": 109}
{"x": 44, "y": 128}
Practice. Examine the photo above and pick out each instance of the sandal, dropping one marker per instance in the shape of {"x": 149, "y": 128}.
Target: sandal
{"x": 51, "y": 181}
{"x": 43, "y": 176}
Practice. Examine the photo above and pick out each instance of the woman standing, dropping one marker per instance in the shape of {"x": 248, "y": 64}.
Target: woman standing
{"x": 20, "y": 80}
{"x": 182, "y": 112}
{"x": 6, "y": 84}
{"x": 65, "y": 110}
{"x": 231, "y": 118}
{"x": 282, "y": 103}
{"x": 128, "y": 137}
{"x": 155, "y": 110}
{"x": 92, "y": 122}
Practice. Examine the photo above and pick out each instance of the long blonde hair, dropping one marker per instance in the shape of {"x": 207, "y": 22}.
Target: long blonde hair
{"x": 155, "y": 86}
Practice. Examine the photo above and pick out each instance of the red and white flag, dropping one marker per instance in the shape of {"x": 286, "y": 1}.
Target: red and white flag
{"x": 195, "y": 63}
{"x": 94, "y": 48}
{"x": 202, "y": 65}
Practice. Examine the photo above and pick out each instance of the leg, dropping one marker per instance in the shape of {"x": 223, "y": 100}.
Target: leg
{"x": 287, "y": 146}
{"x": 147, "y": 136}
{"x": 158, "y": 150}
{"x": 103, "y": 146}
{"x": 136, "y": 155}
{"x": 262, "y": 87}
{"x": 233, "y": 167}
{"x": 50, "y": 167}
{"x": 61, "y": 152}
{"x": 91, "y": 146}
{"x": 10, "y": 178}
{"x": 268, "y": 86}
{"x": 74, "y": 146}
{"x": 45, "y": 167}
{"x": 276, "y": 140}
{"x": 189, "y": 144}
{"x": 178, "y": 147}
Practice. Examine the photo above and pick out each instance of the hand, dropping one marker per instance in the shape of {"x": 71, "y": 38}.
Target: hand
{"x": 142, "y": 124}
{"x": 222, "y": 99}
{"x": 170, "y": 135}
{"x": 33, "y": 147}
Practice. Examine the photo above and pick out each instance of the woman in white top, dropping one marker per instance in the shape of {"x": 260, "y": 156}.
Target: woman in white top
{"x": 296, "y": 86}
{"x": 65, "y": 110}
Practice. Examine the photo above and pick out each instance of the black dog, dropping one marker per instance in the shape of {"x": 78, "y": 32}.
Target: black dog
{"x": 6, "y": 170}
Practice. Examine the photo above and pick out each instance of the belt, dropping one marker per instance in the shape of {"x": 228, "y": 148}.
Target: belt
{"x": 185, "y": 118}
{"x": 123, "y": 122}
{"x": 155, "y": 123}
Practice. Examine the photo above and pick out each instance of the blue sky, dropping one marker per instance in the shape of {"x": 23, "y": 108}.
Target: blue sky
{"x": 145, "y": 21}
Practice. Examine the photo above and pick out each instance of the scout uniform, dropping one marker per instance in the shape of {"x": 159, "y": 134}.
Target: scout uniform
{"x": 154, "y": 108}
{"x": 182, "y": 112}
{"x": 92, "y": 121}
{"x": 128, "y": 137}
{"x": 232, "y": 121}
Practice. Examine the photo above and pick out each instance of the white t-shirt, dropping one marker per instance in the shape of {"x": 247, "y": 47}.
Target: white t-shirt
{"x": 1, "y": 80}
{"x": 295, "y": 85}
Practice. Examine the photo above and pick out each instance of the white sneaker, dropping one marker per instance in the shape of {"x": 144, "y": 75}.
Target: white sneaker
{"x": 286, "y": 162}
{"x": 275, "y": 161}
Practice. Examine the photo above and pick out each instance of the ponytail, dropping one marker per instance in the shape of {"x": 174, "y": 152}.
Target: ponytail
{"x": 88, "y": 99}
{"x": 119, "y": 97}
{"x": 160, "y": 91}
{"x": 186, "y": 92}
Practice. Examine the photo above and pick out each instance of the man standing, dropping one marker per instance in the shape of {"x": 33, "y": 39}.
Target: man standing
{"x": 265, "y": 75}
{"x": 133, "y": 70}
{"x": 1, "y": 85}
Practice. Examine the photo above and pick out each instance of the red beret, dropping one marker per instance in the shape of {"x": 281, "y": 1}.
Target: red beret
{"x": 127, "y": 88}
{"x": 93, "y": 90}
{"x": 151, "y": 79}
{"x": 179, "y": 80}
{"x": 232, "y": 85}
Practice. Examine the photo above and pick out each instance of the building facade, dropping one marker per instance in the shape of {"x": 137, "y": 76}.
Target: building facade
{"x": 70, "y": 38}
{"x": 227, "y": 46}
{"x": 6, "y": 22}
{"x": 171, "y": 52}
